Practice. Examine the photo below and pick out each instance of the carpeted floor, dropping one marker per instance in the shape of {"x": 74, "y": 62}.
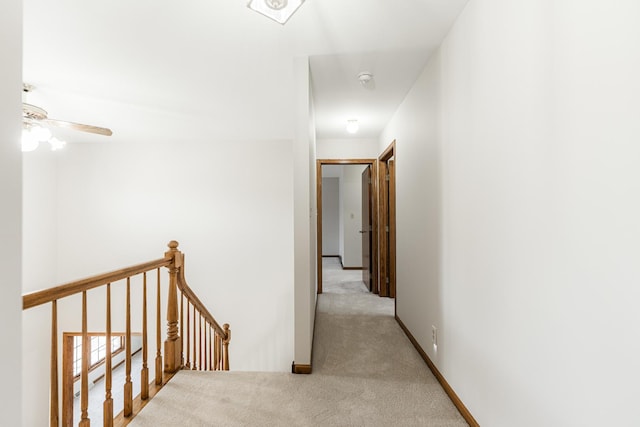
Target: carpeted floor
{"x": 365, "y": 373}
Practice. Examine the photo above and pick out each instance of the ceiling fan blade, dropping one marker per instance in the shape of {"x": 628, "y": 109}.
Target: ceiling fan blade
{"x": 78, "y": 126}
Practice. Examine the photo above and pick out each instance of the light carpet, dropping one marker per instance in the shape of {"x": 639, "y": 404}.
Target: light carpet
{"x": 365, "y": 373}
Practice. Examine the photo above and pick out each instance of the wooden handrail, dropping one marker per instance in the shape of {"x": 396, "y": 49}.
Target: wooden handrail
{"x": 37, "y": 298}
{"x": 199, "y": 306}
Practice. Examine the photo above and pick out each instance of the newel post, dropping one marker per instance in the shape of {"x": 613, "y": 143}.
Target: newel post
{"x": 225, "y": 348}
{"x": 173, "y": 343}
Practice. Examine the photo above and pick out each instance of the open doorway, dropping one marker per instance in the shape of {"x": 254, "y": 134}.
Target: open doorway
{"x": 347, "y": 219}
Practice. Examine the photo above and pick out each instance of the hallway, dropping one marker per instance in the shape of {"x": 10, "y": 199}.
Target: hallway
{"x": 365, "y": 373}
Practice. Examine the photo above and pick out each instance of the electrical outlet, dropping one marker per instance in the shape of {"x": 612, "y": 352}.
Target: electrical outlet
{"x": 434, "y": 336}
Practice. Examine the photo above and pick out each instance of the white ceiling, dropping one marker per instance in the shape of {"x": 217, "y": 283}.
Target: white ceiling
{"x": 175, "y": 70}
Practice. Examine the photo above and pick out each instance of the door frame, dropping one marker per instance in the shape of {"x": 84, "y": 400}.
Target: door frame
{"x": 366, "y": 232}
{"x": 387, "y": 248}
{"x": 374, "y": 212}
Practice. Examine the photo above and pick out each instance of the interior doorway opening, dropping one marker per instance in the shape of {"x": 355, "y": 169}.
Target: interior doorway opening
{"x": 352, "y": 238}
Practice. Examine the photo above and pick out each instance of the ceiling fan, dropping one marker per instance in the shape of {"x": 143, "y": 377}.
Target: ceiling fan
{"x": 36, "y": 123}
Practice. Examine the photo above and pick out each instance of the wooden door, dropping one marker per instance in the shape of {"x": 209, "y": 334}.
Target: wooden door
{"x": 392, "y": 227}
{"x": 383, "y": 200}
{"x": 366, "y": 228}
{"x": 387, "y": 222}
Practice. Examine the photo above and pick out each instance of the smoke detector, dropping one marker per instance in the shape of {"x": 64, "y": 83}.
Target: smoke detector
{"x": 365, "y": 78}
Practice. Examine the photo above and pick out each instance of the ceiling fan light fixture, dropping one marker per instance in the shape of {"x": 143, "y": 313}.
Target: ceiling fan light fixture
{"x": 29, "y": 141}
{"x": 57, "y": 144}
{"x": 33, "y": 135}
{"x": 33, "y": 116}
{"x": 278, "y": 10}
{"x": 40, "y": 133}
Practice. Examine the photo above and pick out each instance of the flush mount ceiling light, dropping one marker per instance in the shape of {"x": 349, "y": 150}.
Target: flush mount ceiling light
{"x": 278, "y": 10}
{"x": 365, "y": 78}
{"x": 352, "y": 126}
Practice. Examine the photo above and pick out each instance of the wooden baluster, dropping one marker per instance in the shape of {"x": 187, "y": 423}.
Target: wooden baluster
{"x": 86, "y": 353}
{"x": 216, "y": 352}
{"x": 204, "y": 344}
{"x": 188, "y": 365}
{"x": 212, "y": 332}
{"x": 220, "y": 340}
{"x": 220, "y": 350}
{"x": 195, "y": 355}
{"x": 205, "y": 366}
{"x": 144, "y": 373}
{"x": 68, "y": 365}
{"x": 207, "y": 341}
{"x": 54, "y": 409}
{"x": 181, "y": 327}
{"x": 173, "y": 345}
{"x": 206, "y": 348}
{"x": 200, "y": 341}
{"x": 128, "y": 386}
{"x": 107, "y": 407}
{"x": 225, "y": 352}
{"x": 210, "y": 347}
{"x": 158, "y": 334}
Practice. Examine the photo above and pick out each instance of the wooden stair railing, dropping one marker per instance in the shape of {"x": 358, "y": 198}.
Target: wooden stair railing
{"x": 217, "y": 356}
{"x": 206, "y": 346}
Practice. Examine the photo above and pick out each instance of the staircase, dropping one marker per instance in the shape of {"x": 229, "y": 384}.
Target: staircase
{"x": 192, "y": 340}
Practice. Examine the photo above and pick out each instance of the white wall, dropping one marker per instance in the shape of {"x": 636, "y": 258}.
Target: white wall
{"x": 352, "y": 148}
{"x": 10, "y": 194}
{"x": 39, "y": 271}
{"x": 351, "y": 196}
{"x": 330, "y": 216}
{"x": 121, "y": 203}
{"x": 39, "y": 219}
{"x": 312, "y": 284}
{"x": 517, "y": 211}
{"x": 304, "y": 213}
{"x": 340, "y": 214}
